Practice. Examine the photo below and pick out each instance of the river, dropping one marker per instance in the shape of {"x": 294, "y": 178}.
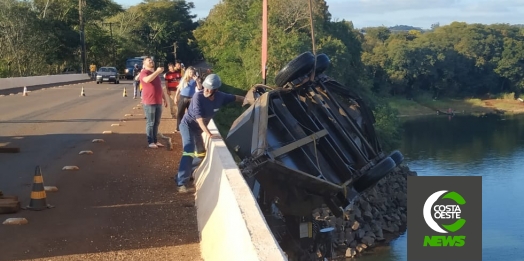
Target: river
{"x": 491, "y": 147}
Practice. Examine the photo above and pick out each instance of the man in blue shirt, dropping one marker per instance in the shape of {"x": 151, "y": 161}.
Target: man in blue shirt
{"x": 203, "y": 107}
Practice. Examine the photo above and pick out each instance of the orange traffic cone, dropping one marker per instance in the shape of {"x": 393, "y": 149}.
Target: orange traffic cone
{"x": 25, "y": 91}
{"x": 38, "y": 195}
{"x": 125, "y": 93}
{"x": 82, "y": 93}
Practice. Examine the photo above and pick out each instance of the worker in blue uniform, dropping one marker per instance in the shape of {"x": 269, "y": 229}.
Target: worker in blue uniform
{"x": 203, "y": 107}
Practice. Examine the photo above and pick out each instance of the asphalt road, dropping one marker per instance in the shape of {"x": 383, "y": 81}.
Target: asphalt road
{"x": 120, "y": 205}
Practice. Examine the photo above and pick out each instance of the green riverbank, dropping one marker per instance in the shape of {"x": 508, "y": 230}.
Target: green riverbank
{"x": 423, "y": 107}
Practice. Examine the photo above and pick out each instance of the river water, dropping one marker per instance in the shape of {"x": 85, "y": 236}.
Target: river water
{"x": 491, "y": 147}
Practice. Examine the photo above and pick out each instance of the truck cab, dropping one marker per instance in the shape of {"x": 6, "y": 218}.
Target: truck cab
{"x": 130, "y": 66}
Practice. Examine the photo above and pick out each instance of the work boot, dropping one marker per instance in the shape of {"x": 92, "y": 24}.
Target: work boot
{"x": 184, "y": 189}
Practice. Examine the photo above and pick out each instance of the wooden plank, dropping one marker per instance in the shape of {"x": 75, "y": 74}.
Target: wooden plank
{"x": 8, "y": 206}
{"x": 9, "y": 197}
{"x": 9, "y": 150}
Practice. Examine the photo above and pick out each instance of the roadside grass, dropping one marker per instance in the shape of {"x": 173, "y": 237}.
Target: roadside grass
{"x": 407, "y": 107}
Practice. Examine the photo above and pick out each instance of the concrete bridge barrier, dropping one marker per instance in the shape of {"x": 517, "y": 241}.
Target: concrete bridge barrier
{"x": 230, "y": 222}
{"x": 36, "y": 82}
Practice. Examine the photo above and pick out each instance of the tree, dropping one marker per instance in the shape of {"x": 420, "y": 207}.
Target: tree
{"x": 511, "y": 66}
{"x": 457, "y": 60}
{"x": 230, "y": 40}
{"x": 149, "y": 28}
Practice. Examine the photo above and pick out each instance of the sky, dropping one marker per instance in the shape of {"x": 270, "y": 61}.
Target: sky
{"x": 418, "y": 13}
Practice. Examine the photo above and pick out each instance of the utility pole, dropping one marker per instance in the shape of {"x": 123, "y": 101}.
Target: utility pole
{"x": 175, "y": 46}
{"x": 312, "y": 38}
{"x": 264, "y": 41}
{"x": 112, "y": 42}
{"x": 81, "y": 5}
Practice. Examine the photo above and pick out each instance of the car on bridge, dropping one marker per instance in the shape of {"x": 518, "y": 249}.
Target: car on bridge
{"x": 107, "y": 74}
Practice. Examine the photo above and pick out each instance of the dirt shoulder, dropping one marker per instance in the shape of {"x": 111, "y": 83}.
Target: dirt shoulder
{"x": 121, "y": 204}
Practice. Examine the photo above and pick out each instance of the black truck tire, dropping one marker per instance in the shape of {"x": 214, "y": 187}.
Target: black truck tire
{"x": 323, "y": 63}
{"x": 301, "y": 65}
{"x": 397, "y": 157}
{"x": 375, "y": 174}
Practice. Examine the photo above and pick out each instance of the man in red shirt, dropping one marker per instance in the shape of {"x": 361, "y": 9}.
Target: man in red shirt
{"x": 152, "y": 96}
{"x": 173, "y": 77}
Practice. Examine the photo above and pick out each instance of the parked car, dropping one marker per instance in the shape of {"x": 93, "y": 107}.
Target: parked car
{"x": 302, "y": 147}
{"x": 70, "y": 70}
{"x": 107, "y": 74}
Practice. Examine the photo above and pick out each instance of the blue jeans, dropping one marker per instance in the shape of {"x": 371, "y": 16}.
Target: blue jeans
{"x": 153, "y": 114}
{"x": 193, "y": 146}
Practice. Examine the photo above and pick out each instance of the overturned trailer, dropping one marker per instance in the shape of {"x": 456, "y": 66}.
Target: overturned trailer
{"x": 302, "y": 148}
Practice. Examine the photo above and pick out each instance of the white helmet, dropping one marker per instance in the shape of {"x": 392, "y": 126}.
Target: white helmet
{"x": 212, "y": 82}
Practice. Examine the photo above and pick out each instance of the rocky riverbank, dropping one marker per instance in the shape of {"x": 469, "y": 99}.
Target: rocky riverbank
{"x": 376, "y": 217}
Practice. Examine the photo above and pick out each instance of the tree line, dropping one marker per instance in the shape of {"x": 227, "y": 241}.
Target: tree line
{"x": 230, "y": 39}
{"x": 457, "y": 60}
{"x": 40, "y": 37}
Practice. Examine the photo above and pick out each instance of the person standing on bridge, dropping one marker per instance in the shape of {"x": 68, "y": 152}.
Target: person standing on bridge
{"x": 204, "y": 105}
{"x": 152, "y": 96}
{"x": 136, "y": 82}
{"x": 173, "y": 77}
{"x": 92, "y": 69}
{"x": 184, "y": 92}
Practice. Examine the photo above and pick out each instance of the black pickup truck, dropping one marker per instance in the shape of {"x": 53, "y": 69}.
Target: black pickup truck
{"x": 308, "y": 142}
